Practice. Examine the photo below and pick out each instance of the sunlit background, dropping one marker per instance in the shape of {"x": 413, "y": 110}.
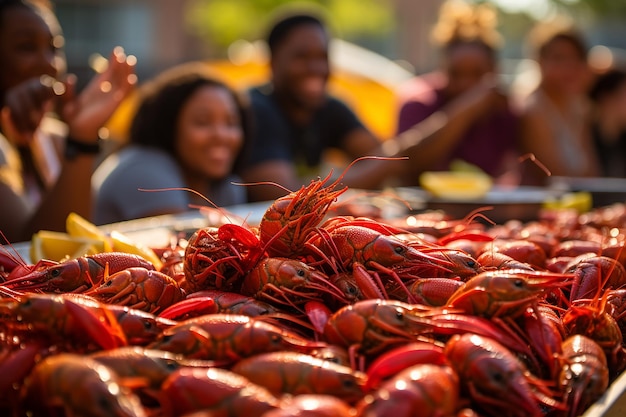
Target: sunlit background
{"x": 387, "y": 38}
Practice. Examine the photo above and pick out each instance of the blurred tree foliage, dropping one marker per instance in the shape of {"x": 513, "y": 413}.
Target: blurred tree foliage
{"x": 218, "y": 23}
{"x": 221, "y": 22}
{"x": 601, "y": 8}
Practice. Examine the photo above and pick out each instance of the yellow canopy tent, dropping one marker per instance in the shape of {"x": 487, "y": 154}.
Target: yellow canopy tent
{"x": 366, "y": 81}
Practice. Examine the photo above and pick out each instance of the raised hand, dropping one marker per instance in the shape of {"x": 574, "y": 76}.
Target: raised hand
{"x": 25, "y": 105}
{"x": 86, "y": 113}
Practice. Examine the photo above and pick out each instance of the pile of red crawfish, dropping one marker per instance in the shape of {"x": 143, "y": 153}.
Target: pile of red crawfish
{"x": 310, "y": 314}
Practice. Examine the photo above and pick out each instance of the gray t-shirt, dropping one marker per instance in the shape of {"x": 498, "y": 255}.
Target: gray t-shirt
{"x": 117, "y": 181}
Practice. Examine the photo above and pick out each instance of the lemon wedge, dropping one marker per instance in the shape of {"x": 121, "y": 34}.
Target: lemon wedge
{"x": 78, "y": 226}
{"x": 456, "y": 185}
{"x": 122, "y": 243}
{"x": 57, "y": 246}
{"x": 581, "y": 201}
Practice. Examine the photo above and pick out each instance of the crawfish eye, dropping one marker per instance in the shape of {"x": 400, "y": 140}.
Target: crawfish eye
{"x": 400, "y": 250}
{"x": 519, "y": 283}
{"x": 498, "y": 377}
{"x": 171, "y": 365}
{"x": 55, "y": 272}
{"x": 300, "y": 272}
{"x": 348, "y": 383}
{"x": 399, "y": 315}
{"x": 148, "y": 325}
{"x": 471, "y": 264}
{"x": 104, "y": 404}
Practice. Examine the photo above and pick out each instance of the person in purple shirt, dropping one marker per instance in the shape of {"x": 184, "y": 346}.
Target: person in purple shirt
{"x": 477, "y": 123}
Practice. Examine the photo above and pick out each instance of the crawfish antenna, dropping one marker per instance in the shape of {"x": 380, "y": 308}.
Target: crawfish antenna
{"x": 478, "y": 213}
{"x": 13, "y": 255}
{"x": 205, "y": 198}
{"x": 287, "y": 190}
{"x": 537, "y": 162}
{"x": 362, "y": 158}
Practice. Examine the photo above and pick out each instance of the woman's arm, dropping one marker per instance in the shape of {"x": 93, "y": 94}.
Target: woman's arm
{"x": 427, "y": 142}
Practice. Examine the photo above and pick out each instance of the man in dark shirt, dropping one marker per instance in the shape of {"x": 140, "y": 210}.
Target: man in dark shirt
{"x": 296, "y": 121}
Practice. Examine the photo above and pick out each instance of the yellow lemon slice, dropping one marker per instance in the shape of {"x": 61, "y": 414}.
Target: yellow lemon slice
{"x": 78, "y": 226}
{"x": 457, "y": 185}
{"x": 122, "y": 243}
{"x": 57, "y": 246}
{"x": 581, "y": 201}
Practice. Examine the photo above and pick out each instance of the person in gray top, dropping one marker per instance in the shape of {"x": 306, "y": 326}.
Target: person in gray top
{"x": 190, "y": 131}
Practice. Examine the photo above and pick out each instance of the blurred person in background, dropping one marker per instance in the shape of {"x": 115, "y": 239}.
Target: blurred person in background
{"x": 556, "y": 114}
{"x": 608, "y": 96}
{"x": 296, "y": 122}
{"x": 190, "y": 130}
{"x": 478, "y": 125}
{"x": 49, "y": 134}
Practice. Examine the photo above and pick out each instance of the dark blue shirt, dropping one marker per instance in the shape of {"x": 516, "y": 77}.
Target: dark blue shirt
{"x": 275, "y": 137}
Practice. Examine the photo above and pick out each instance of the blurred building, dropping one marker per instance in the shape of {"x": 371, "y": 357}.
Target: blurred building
{"x": 154, "y": 31}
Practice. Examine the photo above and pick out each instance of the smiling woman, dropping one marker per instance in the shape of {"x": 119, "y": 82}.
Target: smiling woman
{"x": 189, "y": 131}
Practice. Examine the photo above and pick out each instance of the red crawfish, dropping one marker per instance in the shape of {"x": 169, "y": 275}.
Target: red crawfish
{"x": 545, "y": 334}
{"x": 139, "y": 288}
{"x": 424, "y": 390}
{"x": 172, "y": 259}
{"x": 235, "y": 303}
{"x": 576, "y": 247}
{"x": 188, "y": 308}
{"x": 370, "y": 327}
{"x": 287, "y": 282}
{"x": 352, "y": 289}
{"x": 216, "y": 391}
{"x": 76, "y": 275}
{"x": 312, "y": 405}
{"x": 433, "y": 292}
{"x": 61, "y": 319}
{"x": 9, "y": 260}
{"x": 16, "y": 363}
{"x": 286, "y": 224}
{"x": 453, "y": 263}
{"x": 444, "y": 324}
{"x": 366, "y": 246}
{"x": 497, "y": 260}
{"x": 593, "y": 319}
{"x": 523, "y": 251}
{"x": 218, "y": 258}
{"x": 584, "y": 374}
{"x": 228, "y": 338}
{"x": 505, "y": 292}
{"x": 298, "y": 373}
{"x": 402, "y": 357}
{"x": 139, "y": 327}
{"x": 77, "y": 386}
{"x": 494, "y": 378}
{"x": 616, "y": 306}
{"x": 216, "y": 301}
{"x": 147, "y": 368}
{"x": 355, "y": 246}
{"x": 593, "y": 274}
